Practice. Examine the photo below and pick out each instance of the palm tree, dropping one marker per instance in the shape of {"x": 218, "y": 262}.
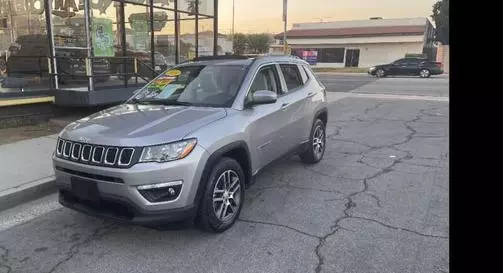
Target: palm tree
{"x": 191, "y": 6}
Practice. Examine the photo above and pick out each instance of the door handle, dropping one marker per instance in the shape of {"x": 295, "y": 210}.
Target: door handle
{"x": 285, "y": 106}
{"x": 311, "y": 94}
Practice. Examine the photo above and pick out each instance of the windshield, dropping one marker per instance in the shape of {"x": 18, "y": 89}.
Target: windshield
{"x": 198, "y": 85}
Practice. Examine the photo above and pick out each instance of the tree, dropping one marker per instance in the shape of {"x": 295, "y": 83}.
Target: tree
{"x": 191, "y": 6}
{"x": 259, "y": 43}
{"x": 239, "y": 44}
{"x": 440, "y": 15}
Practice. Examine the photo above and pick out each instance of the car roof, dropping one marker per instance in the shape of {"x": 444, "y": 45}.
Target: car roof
{"x": 241, "y": 60}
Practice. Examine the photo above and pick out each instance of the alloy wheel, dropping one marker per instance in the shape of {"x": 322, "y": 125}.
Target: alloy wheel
{"x": 318, "y": 142}
{"x": 226, "y": 195}
{"x": 424, "y": 73}
{"x": 380, "y": 73}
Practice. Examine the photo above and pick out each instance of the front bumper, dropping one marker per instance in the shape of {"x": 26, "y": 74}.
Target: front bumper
{"x": 119, "y": 197}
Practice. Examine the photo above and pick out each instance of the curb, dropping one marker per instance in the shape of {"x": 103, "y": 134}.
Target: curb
{"x": 27, "y": 192}
{"x": 344, "y": 73}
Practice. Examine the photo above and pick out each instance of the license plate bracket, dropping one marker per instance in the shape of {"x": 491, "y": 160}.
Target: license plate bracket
{"x": 85, "y": 189}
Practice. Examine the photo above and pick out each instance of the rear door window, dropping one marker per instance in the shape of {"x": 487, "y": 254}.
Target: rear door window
{"x": 291, "y": 75}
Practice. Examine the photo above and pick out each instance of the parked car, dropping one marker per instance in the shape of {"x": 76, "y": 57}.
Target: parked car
{"x": 408, "y": 66}
{"x": 188, "y": 144}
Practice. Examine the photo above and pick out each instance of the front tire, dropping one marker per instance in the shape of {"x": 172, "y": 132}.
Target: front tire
{"x": 316, "y": 149}
{"x": 425, "y": 73}
{"x": 223, "y": 197}
{"x": 380, "y": 73}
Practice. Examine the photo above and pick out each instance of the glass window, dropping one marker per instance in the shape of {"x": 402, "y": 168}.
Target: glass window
{"x": 206, "y": 7}
{"x": 24, "y": 46}
{"x": 311, "y": 75}
{"x": 266, "y": 79}
{"x": 138, "y": 40}
{"x": 205, "y": 36}
{"x": 164, "y": 40}
{"x": 212, "y": 85}
{"x": 188, "y": 6}
{"x": 169, "y": 4}
{"x": 106, "y": 36}
{"x": 291, "y": 76}
{"x": 331, "y": 55}
{"x": 187, "y": 37}
{"x": 303, "y": 74}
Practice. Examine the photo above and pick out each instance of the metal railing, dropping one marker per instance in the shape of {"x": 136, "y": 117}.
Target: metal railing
{"x": 100, "y": 69}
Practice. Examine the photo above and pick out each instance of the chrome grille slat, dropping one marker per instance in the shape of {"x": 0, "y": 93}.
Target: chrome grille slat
{"x": 65, "y": 154}
{"x": 91, "y": 154}
{"x": 59, "y": 146}
{"x": 115, "y": 156}
{"x": 95, "y": 149}
{"x": 73, "y": 151}
{"x": 121, "y": 163}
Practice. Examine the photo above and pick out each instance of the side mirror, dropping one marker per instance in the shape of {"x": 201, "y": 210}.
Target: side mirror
{"x": 263, "y": 97}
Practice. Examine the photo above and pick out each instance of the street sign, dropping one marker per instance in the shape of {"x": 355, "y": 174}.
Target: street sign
{"x": 310, "y": 56}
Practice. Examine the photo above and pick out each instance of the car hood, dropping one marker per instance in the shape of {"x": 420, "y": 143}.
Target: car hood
{"x": 140, "y": 125}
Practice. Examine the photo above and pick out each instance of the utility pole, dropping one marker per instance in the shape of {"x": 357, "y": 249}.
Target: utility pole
{"x": 285, "y": 26}
{"x": 232, "y": 25}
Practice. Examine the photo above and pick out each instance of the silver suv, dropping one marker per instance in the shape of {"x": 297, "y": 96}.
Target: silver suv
{"x": 188, "y": 144}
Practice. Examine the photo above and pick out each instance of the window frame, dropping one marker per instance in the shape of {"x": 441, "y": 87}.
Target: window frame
{"x": 278, "y": 78}
{"x": 297, "y": 88}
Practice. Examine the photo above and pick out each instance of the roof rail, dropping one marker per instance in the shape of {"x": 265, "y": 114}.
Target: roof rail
{"x": 221, "y": 57}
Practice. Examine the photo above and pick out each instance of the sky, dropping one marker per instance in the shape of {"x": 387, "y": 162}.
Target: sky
{"x": 256, "y": 16}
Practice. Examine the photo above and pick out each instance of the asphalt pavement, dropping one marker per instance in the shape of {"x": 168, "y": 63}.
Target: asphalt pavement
{"x": 362, "y": 83}
{"x": 378, "y": 202}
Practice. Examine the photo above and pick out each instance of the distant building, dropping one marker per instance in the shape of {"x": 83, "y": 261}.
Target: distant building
{"x": 360, "y": 43}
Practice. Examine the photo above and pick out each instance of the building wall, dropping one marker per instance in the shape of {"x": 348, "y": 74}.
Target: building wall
{"x": 371, "y": 54}
{"x": 386, "y": 53}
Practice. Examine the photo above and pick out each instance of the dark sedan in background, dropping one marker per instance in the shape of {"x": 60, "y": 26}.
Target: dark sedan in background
{"x": 408, "y": 67}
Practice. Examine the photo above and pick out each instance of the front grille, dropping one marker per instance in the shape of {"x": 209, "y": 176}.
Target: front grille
{"x": 100, "y": 155}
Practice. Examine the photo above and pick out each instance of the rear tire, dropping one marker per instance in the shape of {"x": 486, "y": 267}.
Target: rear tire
{"x": 315, "y": 152}
{"x": 223, "y": 197}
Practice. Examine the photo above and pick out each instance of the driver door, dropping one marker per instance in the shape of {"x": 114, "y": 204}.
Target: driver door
{"x": 266, "y": 119}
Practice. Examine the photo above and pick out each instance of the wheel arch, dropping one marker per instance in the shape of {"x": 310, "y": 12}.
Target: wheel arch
{"x": 237, "y": 150}
{"x": 322, "y": 114}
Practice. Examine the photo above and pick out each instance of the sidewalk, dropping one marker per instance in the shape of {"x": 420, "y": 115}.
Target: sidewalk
{"x": 26, "y": 170}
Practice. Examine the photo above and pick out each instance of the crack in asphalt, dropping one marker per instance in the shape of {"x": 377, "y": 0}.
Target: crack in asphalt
{"x": 278, "y": 225}
{"x": 75, "y": 248}
{"x": 389, "y": 168}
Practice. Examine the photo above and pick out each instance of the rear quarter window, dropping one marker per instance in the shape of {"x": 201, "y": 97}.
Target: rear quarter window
{"x": 311, "y": 75}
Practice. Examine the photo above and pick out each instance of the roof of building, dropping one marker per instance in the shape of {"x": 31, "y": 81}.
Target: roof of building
{"x": 358, "y": 28}
{"x": 353, "y": 32}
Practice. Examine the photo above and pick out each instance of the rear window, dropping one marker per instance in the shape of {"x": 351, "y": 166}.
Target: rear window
{"x": 291, "y": 76}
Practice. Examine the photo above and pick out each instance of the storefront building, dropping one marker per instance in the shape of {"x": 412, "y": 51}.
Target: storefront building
{"x": 90, "y": 52}
{"x": 359, "y": 43}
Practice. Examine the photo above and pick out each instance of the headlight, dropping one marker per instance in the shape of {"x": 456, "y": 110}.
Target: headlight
{"x": 372, "y": 68}
{"x": 168, "y": 152}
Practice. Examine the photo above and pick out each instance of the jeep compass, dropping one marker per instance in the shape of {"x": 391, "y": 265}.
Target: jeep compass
{"x": 186, "y": 146}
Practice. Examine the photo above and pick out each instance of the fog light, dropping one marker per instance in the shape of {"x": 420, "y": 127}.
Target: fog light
{"x": 160, "y": 192}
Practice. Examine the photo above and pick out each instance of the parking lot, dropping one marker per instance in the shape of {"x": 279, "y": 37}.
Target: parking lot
{"x": 378, "y": 202}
